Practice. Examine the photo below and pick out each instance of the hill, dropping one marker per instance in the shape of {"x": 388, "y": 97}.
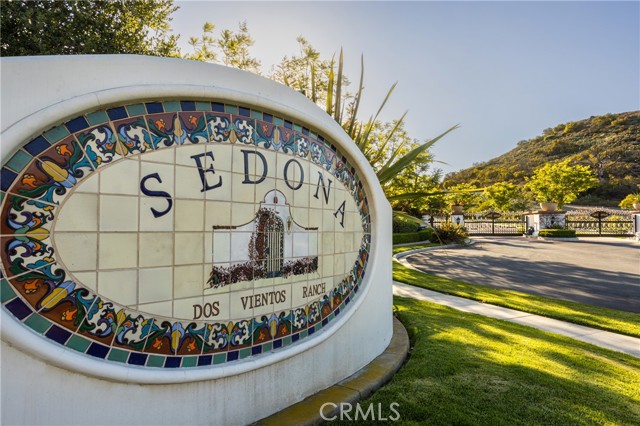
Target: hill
{"x": 609, "y": 143}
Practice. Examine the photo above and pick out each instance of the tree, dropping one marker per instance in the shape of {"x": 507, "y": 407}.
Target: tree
{"x": 560, "y": 183}
{"x": 506, "y": 196}
{"x": 203, "y": 47}
{"x": 87, "y": 27}
{"x": 229, "y": 48}
{"x": 235, "y": 49}
{"x": 307, "y": 73}
{"x": 463, "y": 194}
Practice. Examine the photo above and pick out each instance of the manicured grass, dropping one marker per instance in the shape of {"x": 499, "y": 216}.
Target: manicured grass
{"x": 397, "y": 250}
{"x": 579, "y": 313}
{"x": 466, "y": 369}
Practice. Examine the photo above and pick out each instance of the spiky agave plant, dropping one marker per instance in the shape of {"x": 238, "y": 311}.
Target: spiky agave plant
{"x": 387, "y": 165}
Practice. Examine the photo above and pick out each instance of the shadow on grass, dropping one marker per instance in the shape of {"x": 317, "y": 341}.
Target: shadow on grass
{"x": 466, "y": 369}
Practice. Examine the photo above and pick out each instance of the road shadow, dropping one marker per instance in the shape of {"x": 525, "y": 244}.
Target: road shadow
{"x": 616, "y": 290}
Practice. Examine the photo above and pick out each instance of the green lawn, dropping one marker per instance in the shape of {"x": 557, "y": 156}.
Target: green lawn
{"x": 592, "y": 316}
{"x": 397, "y": 250}
{"x": 466, "y": 369}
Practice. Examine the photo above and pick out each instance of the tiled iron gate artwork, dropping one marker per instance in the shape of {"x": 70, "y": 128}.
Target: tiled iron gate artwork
{"x": 180, "y": 234}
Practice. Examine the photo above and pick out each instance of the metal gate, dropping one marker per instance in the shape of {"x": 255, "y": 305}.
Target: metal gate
{"x": 493, "y": 223}
{"x": 599, "y": 226}
{"x": 489, "y": 223}
{"x": 275, "y": 247}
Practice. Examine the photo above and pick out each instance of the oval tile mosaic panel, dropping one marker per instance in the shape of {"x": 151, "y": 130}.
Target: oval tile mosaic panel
{"x": 180, "y": 234}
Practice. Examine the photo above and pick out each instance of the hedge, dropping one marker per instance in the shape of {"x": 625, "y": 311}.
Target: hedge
{"x": 413, "y": 237}
{"x": 404, "y": 226}
{"x": 557, "y": 233}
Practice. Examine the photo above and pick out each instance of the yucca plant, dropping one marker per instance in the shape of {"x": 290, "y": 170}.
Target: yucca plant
{"x": 387, "y": 158}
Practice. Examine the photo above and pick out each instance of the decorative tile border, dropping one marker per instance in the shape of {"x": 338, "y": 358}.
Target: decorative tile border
{"x": 38, "y": 291}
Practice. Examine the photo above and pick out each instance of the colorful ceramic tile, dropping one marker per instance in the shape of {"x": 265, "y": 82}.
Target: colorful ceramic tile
{"x": 132, "y": 330}
{"x": 219, "y": 127}
{"x": 24, "y": 253}
{"x": 100, "y": 318}
{"x": 56, "y": 134}
{"x": 65, "y": 163}
{"x": 165, "y": 337}
{"x": 25, "y": 216}
{"x": 242, "y": 130}
{"x": 36, "y": 184}
{"x": 192, "y": 340}
{"x": 19, "y": 160}
{"x": 133, "y": 135}
{"x": 101, "y": 145}
{"x": 239, "y": 334}
{"x": 165, "y": 130}
{"x": 42, "y": 293}
{"x": 194, "y": 124}
{"x": 137, "y": 109}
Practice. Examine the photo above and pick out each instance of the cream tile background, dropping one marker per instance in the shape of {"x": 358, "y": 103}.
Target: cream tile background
{"x": 156, "y": 249}
{"x": 78, "y": 250}
{"x": 109, "y": 239}
{"x": 118, "y": 213}
{"x": 189, "y": 248}
{"x": 155, "y": 284}
{"x": 121, "y": 178}
{"x": 118, "y": 250}
{"x": 116, "y": 286}
{"x": 79, "y": 213}
{"x": 189, "y": 215}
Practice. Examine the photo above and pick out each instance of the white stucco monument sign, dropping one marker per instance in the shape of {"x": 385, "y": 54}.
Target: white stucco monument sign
{"x": 182, "y": 236}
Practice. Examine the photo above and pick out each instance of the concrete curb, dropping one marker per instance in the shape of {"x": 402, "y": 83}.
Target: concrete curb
{"x": 352, "y": 389}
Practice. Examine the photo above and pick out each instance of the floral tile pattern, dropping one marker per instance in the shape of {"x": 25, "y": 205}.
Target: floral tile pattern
{"x": 42, "y": 293}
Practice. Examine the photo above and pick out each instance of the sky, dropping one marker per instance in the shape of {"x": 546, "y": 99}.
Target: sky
{"x": 504, "y": 71}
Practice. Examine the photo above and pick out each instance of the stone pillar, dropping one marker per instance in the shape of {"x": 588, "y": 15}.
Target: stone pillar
{"x": 542, "y": 220}
{"x": 636, "y": 226}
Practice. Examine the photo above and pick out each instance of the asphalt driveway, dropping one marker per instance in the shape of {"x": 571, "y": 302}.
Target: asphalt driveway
{"x": 597, "y": 271}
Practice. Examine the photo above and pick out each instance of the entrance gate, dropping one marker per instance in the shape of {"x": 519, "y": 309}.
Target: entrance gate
{"x": 275, "y": 246}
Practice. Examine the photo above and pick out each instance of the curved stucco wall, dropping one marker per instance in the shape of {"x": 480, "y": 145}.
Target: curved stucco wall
{"x": 38, "y": 93}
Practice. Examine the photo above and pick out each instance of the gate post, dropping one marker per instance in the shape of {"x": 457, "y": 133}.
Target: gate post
{"x": 599, "y": 226}
{"x": 636, "y": 226}
{"x": 543, "y": 220}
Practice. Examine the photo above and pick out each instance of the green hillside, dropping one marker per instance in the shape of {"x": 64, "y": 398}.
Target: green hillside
{"x": 609, "y": 144}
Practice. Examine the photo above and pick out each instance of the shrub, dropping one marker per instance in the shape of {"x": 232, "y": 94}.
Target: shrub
{"x": 413, "y": 237}
{"x": 629, "y": 201}
{"x": 402, "y": 225}
{"x": 557, "y": 233}
{"x": 449, "y": 233}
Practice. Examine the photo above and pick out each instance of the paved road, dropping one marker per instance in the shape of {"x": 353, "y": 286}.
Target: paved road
{"x": 602, "y": 272}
